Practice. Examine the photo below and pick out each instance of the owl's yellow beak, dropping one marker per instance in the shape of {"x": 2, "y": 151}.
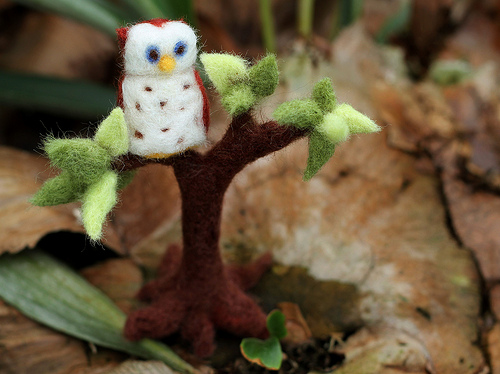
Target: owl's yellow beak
{"x": 166, "y": 64}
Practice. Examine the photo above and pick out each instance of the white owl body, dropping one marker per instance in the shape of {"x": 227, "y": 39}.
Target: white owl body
{"x": 164, "y": 114}
{"x": 164, "y": 105}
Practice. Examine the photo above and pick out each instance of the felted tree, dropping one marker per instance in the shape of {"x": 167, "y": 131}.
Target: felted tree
{"x": 194, "y": 292}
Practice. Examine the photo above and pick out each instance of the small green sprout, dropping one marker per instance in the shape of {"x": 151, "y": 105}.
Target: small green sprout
{"x": 267, "y": 353}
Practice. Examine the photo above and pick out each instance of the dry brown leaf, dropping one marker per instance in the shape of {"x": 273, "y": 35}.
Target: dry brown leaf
{"x": 120, "y": 279}
{"x": 27, "y": 347}
{"x": 147, "y": 218}
{"x": 22, "y": 225}
{"x": 296, "y": 325}
{"x": 372, "y": 218}
{"x": 476, "y": 219}
{"x": 52, "y": 45}
{"x": 386, "y": 351}
{"x": 494, "y": 348}
{"x": 148, "y": 207}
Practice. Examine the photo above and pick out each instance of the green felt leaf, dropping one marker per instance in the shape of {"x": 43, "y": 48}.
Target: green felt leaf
{"x": 334, "y": 127}
{"x": 125, "y": 178}
{"x": 239, "y": 100}
{"x": 58, "y": 190}
{"x": 112, "y": 133}
{"x": 264, "y": 77}
{"x": 299, "y": 113}
{"x": 320, "y": 151}
{"x": 72, "y": 98}
{"x": 51, "y": 293}
{"x": 357, "y": 122}
{"x": 276, "y": 324}
{"x": 102, "y": 15}
{"x": 266, "y": 353}
{"x": 97, "y": 202}
{"x": 324, "y": 96}
{"x": 224, "y": 70}
{"x": 83, "y": 158}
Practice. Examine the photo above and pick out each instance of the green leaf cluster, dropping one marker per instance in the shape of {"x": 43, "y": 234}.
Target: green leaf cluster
{"x": 239, "y": 85}
{"x": 329, "y": 123}
{"x": 86, "y": 173}
{"x": 267, "y": 353}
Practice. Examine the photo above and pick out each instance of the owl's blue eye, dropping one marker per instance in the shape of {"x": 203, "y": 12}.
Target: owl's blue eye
{"x": 153, "y": 54}
{"x": 180, "y": 49}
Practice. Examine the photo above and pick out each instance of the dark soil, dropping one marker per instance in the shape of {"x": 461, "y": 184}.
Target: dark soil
{"x": 320, "y": 355}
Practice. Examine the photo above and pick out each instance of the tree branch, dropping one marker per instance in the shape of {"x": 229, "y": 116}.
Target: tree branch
{"x": 245, "y": 141}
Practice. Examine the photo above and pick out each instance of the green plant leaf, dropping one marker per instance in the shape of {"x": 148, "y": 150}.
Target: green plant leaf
{"x": 53, "y": 294}
{"x": 449, "y": 72}
{"x": 147, "y": 8}
{"x": 112, "y": 133}
{"x": 276, "y": 324}
{"x": 321, "y": 149}
{"x": 266, "y": 20}
{"x": 78, "y": 99}
{"x": 102, "y": 15}
{"x": 176, "y": 9}
{"x": 266, "y": 353}
{"x": 395, "y": 24}
{"x": 305, "y": 14}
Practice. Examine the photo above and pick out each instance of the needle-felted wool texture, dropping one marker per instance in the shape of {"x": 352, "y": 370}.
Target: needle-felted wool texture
{"x": 329, "y": 122}
{"x": 162, "y": 96}
{"x": 240, "y": 87}
{"x": 87, "y": 173}
{"x": 194, "y": 293}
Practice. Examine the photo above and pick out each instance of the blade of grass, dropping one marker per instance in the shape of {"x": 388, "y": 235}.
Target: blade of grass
{"x": 146, "y": 8}
{"x": 176, "y": 9}
{"x": 80, "y": 99}
{"x": 102, "y": 15}
{"x": 171, "y": 9}
{"x": 347, "y": 12}
{"x": 305, "y": 15}
{"x": 53, "y": 294}
{"x": 395, "y": 24}
{"x": 266, "y": 19}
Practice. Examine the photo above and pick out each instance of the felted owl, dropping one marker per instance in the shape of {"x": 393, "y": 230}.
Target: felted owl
{"x": 161, "y": 94}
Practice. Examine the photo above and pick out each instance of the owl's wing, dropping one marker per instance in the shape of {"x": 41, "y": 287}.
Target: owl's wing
{"x": 206, "y": 105}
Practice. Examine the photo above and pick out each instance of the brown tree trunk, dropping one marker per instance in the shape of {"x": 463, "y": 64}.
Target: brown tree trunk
{"x": 194, "y": 291}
